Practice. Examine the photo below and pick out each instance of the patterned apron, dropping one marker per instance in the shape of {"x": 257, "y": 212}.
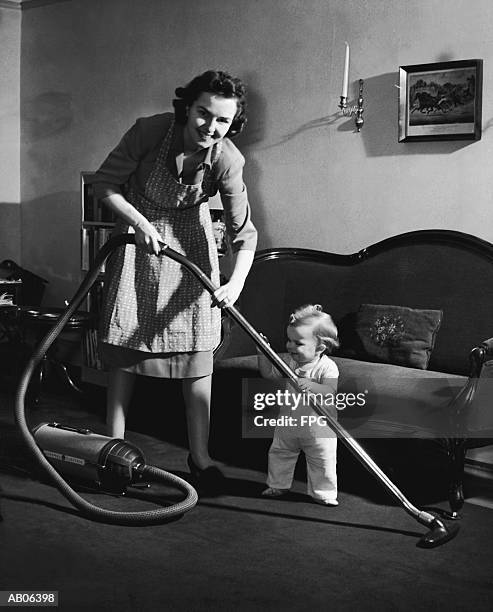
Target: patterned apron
{"x": 153, "y": 303}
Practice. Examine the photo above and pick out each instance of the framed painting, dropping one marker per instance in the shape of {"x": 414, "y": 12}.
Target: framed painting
{"x": 441, "y": 101}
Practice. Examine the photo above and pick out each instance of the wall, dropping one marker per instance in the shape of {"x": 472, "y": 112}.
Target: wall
{"x": 10, "y": 197}
{"x": 90, "y": 67}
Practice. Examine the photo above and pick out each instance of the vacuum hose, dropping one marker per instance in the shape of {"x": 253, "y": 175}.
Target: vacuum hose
{"x": 115, "y": 461}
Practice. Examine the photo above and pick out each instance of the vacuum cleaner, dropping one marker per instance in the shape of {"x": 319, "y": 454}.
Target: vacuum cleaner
{"x": 125, "y": 464}
{"x": 106, "y": 464}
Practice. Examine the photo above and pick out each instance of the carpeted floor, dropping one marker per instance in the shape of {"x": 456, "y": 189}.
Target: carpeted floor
{"x": 235, "y": 551}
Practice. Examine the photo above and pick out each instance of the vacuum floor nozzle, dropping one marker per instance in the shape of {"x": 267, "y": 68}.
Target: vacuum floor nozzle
{"x": 438, "y": 534}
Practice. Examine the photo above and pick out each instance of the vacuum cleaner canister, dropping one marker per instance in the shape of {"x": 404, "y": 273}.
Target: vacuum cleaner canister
{"x": 85, "y": 456}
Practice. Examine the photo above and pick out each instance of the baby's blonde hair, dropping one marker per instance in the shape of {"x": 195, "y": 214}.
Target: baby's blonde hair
{"x": 324, "y": 328}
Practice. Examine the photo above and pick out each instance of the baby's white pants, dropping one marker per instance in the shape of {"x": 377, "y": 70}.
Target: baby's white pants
{"x": 321, "y": 461}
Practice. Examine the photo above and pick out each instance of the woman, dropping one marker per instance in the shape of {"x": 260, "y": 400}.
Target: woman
{"x": 157, "y": 319}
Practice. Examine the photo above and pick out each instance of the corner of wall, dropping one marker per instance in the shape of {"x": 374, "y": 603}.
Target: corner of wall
{"x": 10, "y": 198}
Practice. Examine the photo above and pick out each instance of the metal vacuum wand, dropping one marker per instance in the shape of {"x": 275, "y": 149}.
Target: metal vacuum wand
{"x": 439, "y": 532}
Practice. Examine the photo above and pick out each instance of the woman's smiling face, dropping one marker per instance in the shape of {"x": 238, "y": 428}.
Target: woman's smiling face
{"x": 209, "y": 119}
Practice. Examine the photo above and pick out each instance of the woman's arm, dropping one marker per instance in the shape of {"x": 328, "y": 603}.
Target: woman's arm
{"x": 227, "y": 294}
{"x": 240, "y": 229}
{"x": 146, "y": 235}
{"x": 131, "y": 160}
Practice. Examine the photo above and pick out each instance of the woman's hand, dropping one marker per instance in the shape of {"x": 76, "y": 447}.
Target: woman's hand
{"x": 147, "y": 237}
{"x": 230, "y": 292}
{"x": 227, "y": 294}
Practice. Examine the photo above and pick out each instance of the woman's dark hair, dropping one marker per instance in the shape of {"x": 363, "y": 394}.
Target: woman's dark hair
{"x": 217, "y": 82}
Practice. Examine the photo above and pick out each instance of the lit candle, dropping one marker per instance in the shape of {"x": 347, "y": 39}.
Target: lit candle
{"x": 345, "y": 78}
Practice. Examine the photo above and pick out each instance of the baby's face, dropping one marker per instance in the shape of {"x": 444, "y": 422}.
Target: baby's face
{"x": 302, "y": 344}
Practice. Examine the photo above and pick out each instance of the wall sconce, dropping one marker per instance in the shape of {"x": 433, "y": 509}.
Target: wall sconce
{"x": 349, "y": 111}
{"x": 357, "y": 111}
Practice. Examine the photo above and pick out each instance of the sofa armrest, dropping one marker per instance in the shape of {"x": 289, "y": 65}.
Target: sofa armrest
{"x": 478, "y": 356}
{"x": 461, "y": 406}
{"x": 488, "y": 346}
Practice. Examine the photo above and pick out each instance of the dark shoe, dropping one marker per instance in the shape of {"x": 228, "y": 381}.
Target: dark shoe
{"x": 209, "y": 480}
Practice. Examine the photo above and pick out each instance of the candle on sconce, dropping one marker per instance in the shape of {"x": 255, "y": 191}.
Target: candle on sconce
{"x": 345, "y": 78}
{"x": 356, "y": 110}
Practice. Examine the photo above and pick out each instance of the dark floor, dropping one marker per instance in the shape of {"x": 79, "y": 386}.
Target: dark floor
{"x": 235, "y": 551}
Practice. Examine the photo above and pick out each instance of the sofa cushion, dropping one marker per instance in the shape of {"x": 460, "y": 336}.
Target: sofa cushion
{"x": 396, "y": 334}
{"x": 399, "y": 402}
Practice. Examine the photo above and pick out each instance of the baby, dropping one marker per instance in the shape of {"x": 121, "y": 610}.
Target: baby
{"x": 311, "y": 334}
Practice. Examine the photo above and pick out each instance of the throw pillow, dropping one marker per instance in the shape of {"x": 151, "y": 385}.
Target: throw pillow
{"x": 397, "y": 334}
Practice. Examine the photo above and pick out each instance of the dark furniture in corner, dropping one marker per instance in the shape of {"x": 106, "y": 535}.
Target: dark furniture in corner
{"x": 429, "y": 269}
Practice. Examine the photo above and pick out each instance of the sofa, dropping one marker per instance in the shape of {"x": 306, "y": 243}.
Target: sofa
{"x": 413, "y": 312}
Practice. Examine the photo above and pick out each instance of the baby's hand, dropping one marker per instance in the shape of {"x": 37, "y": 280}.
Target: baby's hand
{"x": 265, "y": 339}
{"x": 304, "y": 384}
